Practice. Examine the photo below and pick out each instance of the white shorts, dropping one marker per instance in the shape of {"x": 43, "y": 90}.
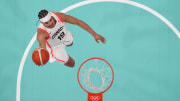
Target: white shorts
{"x": 58, "y": 52}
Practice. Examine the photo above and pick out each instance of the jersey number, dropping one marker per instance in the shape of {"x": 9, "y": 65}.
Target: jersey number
{"x": 61, "y": 36}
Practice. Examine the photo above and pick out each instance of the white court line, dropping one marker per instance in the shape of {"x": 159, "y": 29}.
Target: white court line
{"x": 82, "y": 4}
{"x": 168, "y": 23}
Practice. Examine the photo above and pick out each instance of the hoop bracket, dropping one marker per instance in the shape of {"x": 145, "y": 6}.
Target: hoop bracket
{"x": 95, "y": 97}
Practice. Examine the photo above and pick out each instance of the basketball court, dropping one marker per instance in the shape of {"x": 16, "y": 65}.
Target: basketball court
{"x": 143, "y": 49}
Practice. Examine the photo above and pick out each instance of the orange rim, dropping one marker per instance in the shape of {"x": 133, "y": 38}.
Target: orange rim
{"x": 92, "y": 59}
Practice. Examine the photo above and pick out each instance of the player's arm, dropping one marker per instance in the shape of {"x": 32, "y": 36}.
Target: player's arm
{"x": 41, "y": 37}
{"x": 80, "y": 23}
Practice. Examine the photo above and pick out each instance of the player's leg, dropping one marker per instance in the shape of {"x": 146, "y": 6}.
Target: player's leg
{"x": 61, "y": 55}
{"x": 70, "y": 62}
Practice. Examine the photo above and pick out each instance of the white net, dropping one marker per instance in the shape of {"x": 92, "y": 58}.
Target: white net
{"x": 95, "y": 75}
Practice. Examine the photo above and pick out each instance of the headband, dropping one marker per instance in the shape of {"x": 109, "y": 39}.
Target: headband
{"x": 46, "y": 18}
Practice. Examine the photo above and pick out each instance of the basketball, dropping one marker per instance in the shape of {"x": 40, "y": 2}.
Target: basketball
{"x": 40, "y": 56}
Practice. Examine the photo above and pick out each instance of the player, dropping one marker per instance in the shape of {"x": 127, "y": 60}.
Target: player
{"x": 53, "y": 35}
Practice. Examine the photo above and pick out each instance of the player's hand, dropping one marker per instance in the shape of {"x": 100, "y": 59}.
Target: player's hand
{"x": 98, "y": 37}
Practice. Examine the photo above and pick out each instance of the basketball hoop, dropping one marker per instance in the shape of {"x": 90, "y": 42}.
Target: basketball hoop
{"x": 105, "y": 73}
